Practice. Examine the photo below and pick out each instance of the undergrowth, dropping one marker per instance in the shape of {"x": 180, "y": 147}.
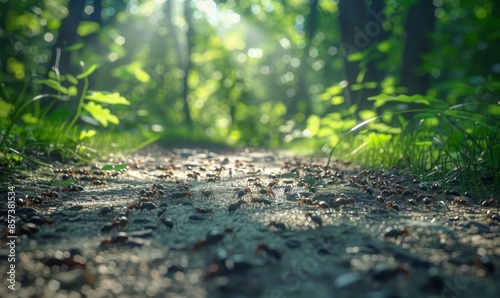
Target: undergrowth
{"x": 456, "y": 144}
{"x": 44, "y": 127}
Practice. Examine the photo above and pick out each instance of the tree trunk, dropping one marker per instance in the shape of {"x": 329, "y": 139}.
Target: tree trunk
{"x": 419, "y": 24}
{"x": 360, "y": 28}
{"x": 186, "y": 61}
{"x": 67, "y": 37}
{"x": 301, "y": 100}
{"x": 93, "y": 42}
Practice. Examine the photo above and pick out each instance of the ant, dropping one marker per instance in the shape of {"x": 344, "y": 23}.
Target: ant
{"x": 344, "y": 201}
{"x": 489, "y": 203}
{"x": 97, "y": 182}
{"x": 182, "y": 194}
{"x": 51, "y": 194}
{"x": 233, "y": 207}
{"x": 118, "y": 221}
{"x": 261, "y": 200}
{"x": 167, "y": 222}
{"x": 121, "y": 238}
{"x": 394, "y": 233}
{"x": 99, "y": 173}
{"x": 393, "y": 205}
{"x": 314, "y": 218}
{"x": 268, "y": 192}
{"x": 229, "y": 230}
{"x": 194, "y": 175}
{"x": 240, "y": 192}
{"x": 203, "y": 210}
{"x": 270, "y": 251}
{"x": 168, "y": 174}
{"x": 73, "y": 187}
{"x": 254, "y": 180}
{"x": 307, "y": 201}
{"x": 459, "y": 201}
{"x": 207, "y": 194}
{"x": 213, "y": 236}
{"x": 278, "y": 225}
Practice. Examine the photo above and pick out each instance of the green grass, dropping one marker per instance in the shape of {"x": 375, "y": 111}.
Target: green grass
{"x": 453, "y": 145}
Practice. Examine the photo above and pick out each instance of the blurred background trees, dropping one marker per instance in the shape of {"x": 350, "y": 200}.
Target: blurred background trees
{"x": 259, "y": 73}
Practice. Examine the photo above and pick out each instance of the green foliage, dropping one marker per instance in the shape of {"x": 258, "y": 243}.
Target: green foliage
{"x": 39, "y": 131}
{"x": 459, "y": 143}
{"x": 86, "y": 28}
{"x": 250, "y": 73}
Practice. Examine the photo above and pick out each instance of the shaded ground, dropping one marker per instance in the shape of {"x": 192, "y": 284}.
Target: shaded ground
{"x": 141, "y": 234}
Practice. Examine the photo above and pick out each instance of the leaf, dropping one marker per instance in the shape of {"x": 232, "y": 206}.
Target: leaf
{"x": 334, "y": 90}
{"x": 72, "y": 91}
{"x": 88, "y": 72}
{"x": 102, "y": 115}
{"x": 361, "y": 76}
{"x": 53, "y": 24}
{"x": 6, "y": 109}
{"x": 382, "y": 127}
{"x": 87, "y": 134}
{"x": 355, "y": 56}
{"x": 54, "y": 85}
{"x": 359, "y": 125}
{"x": 72, "y": 79}
{"x": 110, "y": 167}
{"x": 331, "y": 91}
{"x": 384, "y": 46}
{"x": 53, "y": 75}
{"x": 328, "y": 6}
{"x": 381, "y": 99}
{"x": 74, "y": 47}
{"x": 336, "y": 100}
{"x": 141, "y": 75}
{"x": 109, "y": 98}
{"x": 313, "y": 124}
{"x": 367, "y": 114}
{"x": 29, "y": 118}
{"x": 356, "y": 87}
{"x": 423, "y": 143}
{"x": 370, "y": 85}
{"x": 86, "y": 28}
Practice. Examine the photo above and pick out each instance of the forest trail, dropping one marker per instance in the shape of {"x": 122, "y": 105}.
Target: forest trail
{"x": 170, "y": 225}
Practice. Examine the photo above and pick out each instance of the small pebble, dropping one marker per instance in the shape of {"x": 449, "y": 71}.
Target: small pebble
{"x": 347, "y": 279}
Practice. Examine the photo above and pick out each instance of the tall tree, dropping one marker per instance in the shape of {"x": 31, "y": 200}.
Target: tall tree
{"x": 186, "y": 63}
{"x": 417, "y": 43}
{"x": 67, "y": 36}
{"x": 361, "y": 28}
{"x": 302, "y": 95}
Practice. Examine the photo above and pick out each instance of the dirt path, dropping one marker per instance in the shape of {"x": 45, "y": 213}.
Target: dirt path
{"x": 301, "y": 232}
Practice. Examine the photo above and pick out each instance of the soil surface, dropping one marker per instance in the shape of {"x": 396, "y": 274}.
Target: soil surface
{"x": 254, "y": 223}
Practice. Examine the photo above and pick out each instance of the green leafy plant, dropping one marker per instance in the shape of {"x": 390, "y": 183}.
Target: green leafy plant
{"x": 25, "y": 120}
{"x": 457, "y": 143}
{"x": 88, "y": 101}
